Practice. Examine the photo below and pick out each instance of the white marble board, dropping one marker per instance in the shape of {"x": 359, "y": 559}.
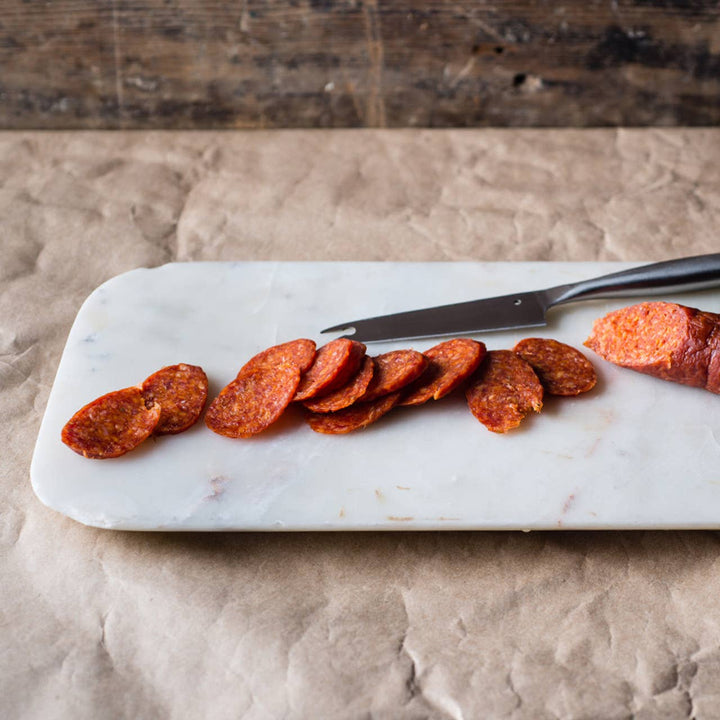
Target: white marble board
{"x": 634, "y": 453}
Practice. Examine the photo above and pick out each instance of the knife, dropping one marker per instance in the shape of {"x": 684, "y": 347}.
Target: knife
{"x": 528, "y": 309}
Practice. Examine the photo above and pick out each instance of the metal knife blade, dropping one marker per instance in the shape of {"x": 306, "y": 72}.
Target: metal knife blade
{"x": 498, "y": 313}
{"x": 528, "y": 309}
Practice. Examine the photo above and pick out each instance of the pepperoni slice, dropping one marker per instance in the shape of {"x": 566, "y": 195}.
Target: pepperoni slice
{"x": 263, "y": 388}
{"x": 393, "y": 371}
{"x": 346, "y": 395}
{"x": 504, "y": 391}
{"x": 358, "y": 415}
{"x": 181, "y": 391}
{"x": 254, "y": 400}
{"x": 449, "y": 363}
{"x": 335, "y": 363}
{"x": 111, "y": 425}
{"x": 300, "y": 353}
{"x": 562, "y": 369}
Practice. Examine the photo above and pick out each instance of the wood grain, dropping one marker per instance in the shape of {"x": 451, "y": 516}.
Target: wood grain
{"x": 371, "y": 63}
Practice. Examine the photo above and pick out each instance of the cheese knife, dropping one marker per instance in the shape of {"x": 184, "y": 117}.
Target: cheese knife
{"x": 529, "y": 309}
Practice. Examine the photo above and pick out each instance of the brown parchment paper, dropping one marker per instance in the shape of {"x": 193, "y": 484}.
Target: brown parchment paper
{"x": 100, "y": 624}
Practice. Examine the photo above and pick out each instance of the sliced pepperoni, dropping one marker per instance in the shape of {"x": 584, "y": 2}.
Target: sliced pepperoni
{"x": 449, "y": 363}
{"x": 299, "y": 352}
{"x": 504, "y": 390}
{"x": 181, "y": 391}
{"x": 111, "y": 425}
{"x": 358, "y": 415}
{"x": 335, "y": 363}
{"x": 347, "y": 394}
{"x": 393, "y": 371}
{"x": 254, "y": 400}
{"x": 562, "y": 369}
{"x": 264, "y": 387}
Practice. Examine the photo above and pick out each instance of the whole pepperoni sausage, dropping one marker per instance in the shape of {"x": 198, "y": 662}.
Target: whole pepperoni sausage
{"x": 562, "y": 369}
{"x": 254, "y": 400}
{"x": 504, "y": 390}
{"x": 449, "y": 364}
{"x": 358, "y": 415}
{"x": 668, "y": 341}
{"x": 335, "y": 363}
{"x": 393, "y": 371}
{"x": 347, "y": 394}
{"x": 111, "y": 425}
{"x": 181, "y": 391}
{"x": 713, "y": 374}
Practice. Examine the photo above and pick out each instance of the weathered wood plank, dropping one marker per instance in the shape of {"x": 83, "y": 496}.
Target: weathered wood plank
{"x": 325, "y": 63}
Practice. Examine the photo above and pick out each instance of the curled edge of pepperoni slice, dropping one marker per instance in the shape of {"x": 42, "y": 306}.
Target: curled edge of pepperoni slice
{"x": 562, "y": 369}
{"x": 111, "y": 425}
{"x": 358, "y": 415}
{"x": 181, "y": 391}
{"x": 393, "y": 371}
{"x": 300, "y": 352}
{"x": 504, "y": 390}
{"x": 335, "y": 363}
{"x": 347, "y": 394}
{"x": 254, "y": 400}
{"x": 449, "y": 364}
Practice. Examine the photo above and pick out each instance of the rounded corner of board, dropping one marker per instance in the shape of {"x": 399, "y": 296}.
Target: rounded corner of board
{"x": 114, "y": 280}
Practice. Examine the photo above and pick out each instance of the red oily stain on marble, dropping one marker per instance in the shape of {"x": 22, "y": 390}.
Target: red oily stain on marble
{"x": 566, "y": 506}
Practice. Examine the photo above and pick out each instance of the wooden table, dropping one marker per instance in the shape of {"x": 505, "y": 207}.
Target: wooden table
{"x": 251, "y": 64}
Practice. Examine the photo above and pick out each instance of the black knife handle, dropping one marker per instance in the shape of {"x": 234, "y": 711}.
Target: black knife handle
{"x": 691, "y": 273}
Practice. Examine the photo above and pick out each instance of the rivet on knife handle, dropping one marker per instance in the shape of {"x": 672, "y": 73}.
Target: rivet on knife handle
{"x": 528, "y": 309}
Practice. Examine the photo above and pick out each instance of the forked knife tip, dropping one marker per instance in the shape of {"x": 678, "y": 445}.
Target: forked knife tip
{"x": 350, "y": 330}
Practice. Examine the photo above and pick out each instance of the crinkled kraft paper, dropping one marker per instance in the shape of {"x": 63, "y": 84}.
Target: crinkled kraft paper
{"x": 99, "y": 624}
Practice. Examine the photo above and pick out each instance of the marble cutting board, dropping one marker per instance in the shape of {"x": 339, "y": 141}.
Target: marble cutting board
{"x": 635, "y": 453}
